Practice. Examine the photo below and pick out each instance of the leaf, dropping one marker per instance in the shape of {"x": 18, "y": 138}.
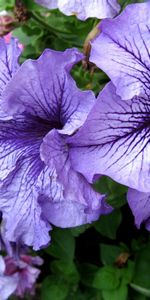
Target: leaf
{"x": 63, "y": 244}
{"x": 120, "y": 293}
{"x": 116, "y": 193}
{"x": 128, "y": 272}
{"x": 79, "y": 230}
{"x": 140, "y": 289}
{"x": 108, "y": 224}
{"x": 54, "y": 289}
{"x": 107, "y": 278}
{"x": 67, "y": 269}
{"x": 109, "y": 253}
{"x": 142, "y": 269}
{"x": 88, "y": 272}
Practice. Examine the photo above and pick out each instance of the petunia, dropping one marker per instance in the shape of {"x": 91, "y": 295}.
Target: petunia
{"x": 122, "y": 50}
{"x": 23, "y": 269}
{"x": 140, "y": 205}
{"x": 115, "y": 140}
{"x": 18, "y": 275}
{"x": 9, "y": 56}
{"x": 39, "y": 187}
{"x": 8, "y": 284}
{"x": 84, "y": 9}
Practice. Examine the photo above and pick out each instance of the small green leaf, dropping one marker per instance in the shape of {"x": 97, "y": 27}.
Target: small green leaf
{"x": 54, "y": 289}
{"x": 142, "y": 268}
{"x": 128, "y": 272}
{"x": 63, "y": 244}
{"x": 108, "y": 224}
{"x": 107, "y": 278}
{"x": 88, "y": 272}
{"x": 109, "y": 253}
{"x": 120, "y": 293}
{"x": 67, "y": 269}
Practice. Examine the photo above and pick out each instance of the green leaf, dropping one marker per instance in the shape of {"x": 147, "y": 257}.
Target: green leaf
{"x": 108, "y": 224}
{"x": 128, "y": 272}
{"x": 88, "y": 272}
{"x": 54, "y": 289}
{"x": 142, "y": 268}
{"x": 116, "y": 193}
{"x": 107, "y": 278}
{"x": 63, "y": 244}
{"x": 109, "y": 253}
{"x": 140, "y": 289}
{"x": 120, "y": 293}
{"x": 67, "y": 269}
{"x": 79, "y": 230}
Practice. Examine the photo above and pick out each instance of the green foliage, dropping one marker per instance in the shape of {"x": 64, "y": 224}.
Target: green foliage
{"x": 63, "y": 245}
{"x": 108, "y": 225}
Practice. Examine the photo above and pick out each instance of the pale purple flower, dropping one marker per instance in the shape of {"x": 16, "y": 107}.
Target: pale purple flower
{"x": 18, "y": 275}
{"x": 39, "y": 187}
{"x": 115, "y": 140}
{"x": 84, "y": 9}
{"x": 25, "y": 271}
{"x": 8, "y": 284}
{"x": 140, "y": 205}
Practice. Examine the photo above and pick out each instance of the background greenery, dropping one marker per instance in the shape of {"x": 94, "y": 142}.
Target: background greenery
{"x": 110, "y": 259}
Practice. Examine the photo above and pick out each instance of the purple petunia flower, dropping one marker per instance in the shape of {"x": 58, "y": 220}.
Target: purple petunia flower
{"x": 140, "y": 205}
{"x": 117, "y": 132}
{"x": 18, "y": 273}
{"x": 8, "y": 284}
{"x": 84, "y": 9}
{"x": 18, "y": 276}
{"x": 115, "y": 139}
{"x": 39, "y": 187}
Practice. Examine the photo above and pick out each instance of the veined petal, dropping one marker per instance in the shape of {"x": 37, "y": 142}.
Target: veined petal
{"x": 9, "y": 55}
{"x": 114, "y": 141}
{"x": 18, "y": 137}
{"x": 20, "y": 167}
{"x": 84, "y": 9}
{"x": 140, "y": 205}
{"x": 122, "y": 50}
{"x": 73, "y": 201}
{"x": 47, "y": 90}
{"x": 19, "y": 198}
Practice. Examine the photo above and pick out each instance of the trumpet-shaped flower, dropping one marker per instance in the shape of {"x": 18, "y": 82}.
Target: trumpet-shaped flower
{"x": 84, "y": 9}
{"x": 39, "y": 187}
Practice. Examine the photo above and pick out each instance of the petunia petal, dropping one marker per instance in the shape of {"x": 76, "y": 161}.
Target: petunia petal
{"x": 84, "y": 9}
{"x": 19, "y": 198}
{"x": 115, "y": 141}
{"x": 140, "y": 205}
{"x": 9, "y": 55}
{"x": 47, "y": 90}
{"x": 122, "y": 50}
{"x": 73, "y": 200}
